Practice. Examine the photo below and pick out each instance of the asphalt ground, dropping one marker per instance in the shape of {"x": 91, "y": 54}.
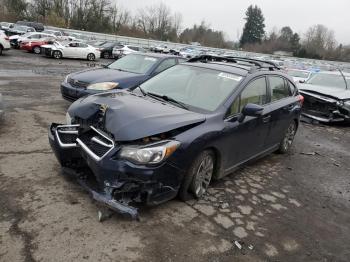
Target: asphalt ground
{"x": 293, "y": 207}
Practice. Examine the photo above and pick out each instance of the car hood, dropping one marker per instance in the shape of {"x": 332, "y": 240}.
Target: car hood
{"x": 108, "y": 75}
{"x": 342, "y": 94}
{"x": 131, "y": 117}
{"x": 14, "y": 37}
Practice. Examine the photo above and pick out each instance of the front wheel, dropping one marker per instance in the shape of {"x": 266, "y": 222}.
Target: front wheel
{"x": 288, "y": 138}
{"x": 37, "y": 50}
{"x": 198, "y": 177}
{"x": 91, "y": 57}
{"x": 57, "y": 54}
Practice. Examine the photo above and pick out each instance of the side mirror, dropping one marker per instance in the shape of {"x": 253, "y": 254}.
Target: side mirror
{"x": 251, "y": 110}
{"x": 301, "y": 81}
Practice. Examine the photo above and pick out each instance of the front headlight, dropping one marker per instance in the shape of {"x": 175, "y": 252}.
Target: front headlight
{"x": 151, "y": 154}
{"x": 68, "y": 119}
{"x": 103, "y": 86}
{"x": 67, "y": 78}
{"x": 347, "y": 104}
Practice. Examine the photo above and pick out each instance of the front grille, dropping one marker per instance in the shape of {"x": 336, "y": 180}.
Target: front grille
{"x": 67, "y": 135}
{"x": 77, "y": 84}
{"x": 95, "y": 143}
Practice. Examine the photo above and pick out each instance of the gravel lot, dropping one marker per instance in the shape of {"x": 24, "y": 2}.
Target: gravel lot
{"x": 293, "y": 207}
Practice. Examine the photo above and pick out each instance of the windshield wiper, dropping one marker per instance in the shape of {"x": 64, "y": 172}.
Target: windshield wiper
{"x": 142, "y": 91}
{"x": 168, "y": 99}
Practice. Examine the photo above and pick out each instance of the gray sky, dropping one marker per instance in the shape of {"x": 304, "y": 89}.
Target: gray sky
{"x": 227, "y": 15}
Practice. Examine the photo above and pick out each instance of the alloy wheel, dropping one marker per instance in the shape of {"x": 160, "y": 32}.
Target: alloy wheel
{"x": 57, "y": 54}
{"x": 37, "y": 50}
{"x": 203, "y": 176}
{"x": 91, "y": 57}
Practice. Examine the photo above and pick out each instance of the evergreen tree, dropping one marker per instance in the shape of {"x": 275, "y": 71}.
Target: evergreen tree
{"x": 254, "y": 29}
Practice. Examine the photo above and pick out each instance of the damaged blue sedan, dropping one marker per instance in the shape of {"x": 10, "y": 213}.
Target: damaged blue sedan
{"x": 173, "y": 134}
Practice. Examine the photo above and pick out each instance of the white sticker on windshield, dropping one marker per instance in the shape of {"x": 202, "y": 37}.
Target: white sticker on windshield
{"x": 150, "y": 59}
{"x": 230, "y": 76}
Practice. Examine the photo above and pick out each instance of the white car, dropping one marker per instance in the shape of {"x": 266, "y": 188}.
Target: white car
{"x": 4, "y": 42}
{"x": 80, "y": 50}
{"x": 299, "y": 76}
{"x": 161, "y": 49}
{"x": 123, "y": 50}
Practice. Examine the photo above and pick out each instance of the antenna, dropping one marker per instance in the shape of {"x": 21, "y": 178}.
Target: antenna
{"x": 346, "y": 83}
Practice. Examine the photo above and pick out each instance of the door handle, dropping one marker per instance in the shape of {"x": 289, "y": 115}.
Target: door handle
{"x": 266, "y": 119}
{"x": 289, "y": 107}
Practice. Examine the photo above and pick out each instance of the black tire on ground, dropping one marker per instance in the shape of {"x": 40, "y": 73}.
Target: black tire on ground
{"x": 57, "y": 54}
{"x": 1, "y": 48}
{"x": 105, "y": 55}
{"x": 37, "y": 50}
{"x": 288, "y": 138}
{"x": 91, "y": 57}
{"x": 192, "y": 179}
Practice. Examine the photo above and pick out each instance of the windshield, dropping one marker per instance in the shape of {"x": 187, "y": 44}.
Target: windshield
{"x": 296, "y": 73}
{"x": 329, "y": 80}
{"x": 138, "y": 64}
{"x": 196, "y": 87}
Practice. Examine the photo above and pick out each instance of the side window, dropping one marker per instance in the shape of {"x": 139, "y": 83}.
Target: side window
{"x": 83, "y": 45}
{"x": 165, "y": 65}
{"x": 254, "y": 93}
{"x": 279, "y": 89}
{"x": 290, "y": 86}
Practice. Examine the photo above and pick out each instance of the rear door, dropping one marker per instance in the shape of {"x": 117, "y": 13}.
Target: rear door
{"x": 244, "y": 140}
{"x": 282, "y": 106}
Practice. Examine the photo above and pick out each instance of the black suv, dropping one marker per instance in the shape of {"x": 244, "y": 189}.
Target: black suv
{"x": 173, "y": 134}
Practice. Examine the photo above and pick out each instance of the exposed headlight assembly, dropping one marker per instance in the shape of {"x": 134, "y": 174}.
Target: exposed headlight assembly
{"x": 347, "y": 104}
{"x": 150, "y": 154}
{"x": 103, "y": 86}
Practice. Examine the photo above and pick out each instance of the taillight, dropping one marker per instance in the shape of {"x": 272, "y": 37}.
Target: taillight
{"x": 301, "y": 99}
{"x": 7, "y": 38}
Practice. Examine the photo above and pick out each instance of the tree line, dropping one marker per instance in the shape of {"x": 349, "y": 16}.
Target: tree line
{"x": 159, "y": 22}
{"x": 153, "y": 22}
{"x": 318, "y": 41}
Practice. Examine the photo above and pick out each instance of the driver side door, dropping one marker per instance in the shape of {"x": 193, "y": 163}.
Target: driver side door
{"x": 245, "y": 139}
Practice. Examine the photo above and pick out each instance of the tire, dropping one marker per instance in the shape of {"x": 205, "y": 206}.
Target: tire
{"x": 106, "y": 55}
{"x": 37, "y": 50}
{"x": 198, "y": 177}
{"x": 91, "y": 57}
{"x": 288, "y": 138}
{"x": 1, "y": 48}
{"x": 57, "y": 54}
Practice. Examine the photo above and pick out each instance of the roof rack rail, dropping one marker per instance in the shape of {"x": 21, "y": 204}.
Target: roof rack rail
{"x": 234, "y": 59}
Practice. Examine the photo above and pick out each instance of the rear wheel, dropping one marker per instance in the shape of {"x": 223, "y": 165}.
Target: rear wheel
{"x": 288, "y": 138}
{"x": 106, "y": 55}
{"x": 57, "y": 54}
{"x": 37, "y": 50}
{"x": 198, "y": 177}
{"x": 1, "y": 48}
{"x": 91, "y": 57}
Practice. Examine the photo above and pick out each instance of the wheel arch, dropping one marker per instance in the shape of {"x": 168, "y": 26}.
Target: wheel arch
{"x": 217, "y": 161}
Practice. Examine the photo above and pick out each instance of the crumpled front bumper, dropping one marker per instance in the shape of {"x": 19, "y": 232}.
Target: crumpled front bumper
{"x": 324, "y": 109}
{"x": 114, "y": 182}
